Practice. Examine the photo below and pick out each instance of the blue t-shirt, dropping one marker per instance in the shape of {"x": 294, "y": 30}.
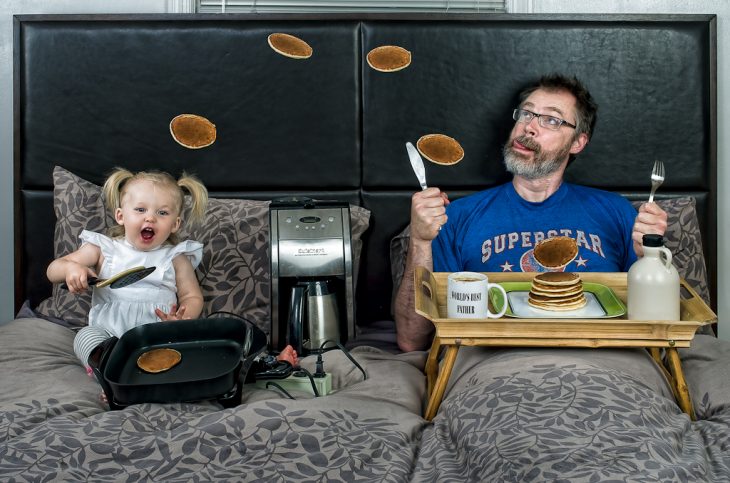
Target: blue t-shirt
{"x": 496, "y": 230}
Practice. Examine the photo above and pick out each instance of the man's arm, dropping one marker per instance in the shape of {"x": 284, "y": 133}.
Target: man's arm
{"x": 413, "y": 330}
{"x": 428, "y": 213}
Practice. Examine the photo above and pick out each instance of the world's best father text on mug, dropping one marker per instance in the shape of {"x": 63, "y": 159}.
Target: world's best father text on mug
{"x": 468, "y": 296}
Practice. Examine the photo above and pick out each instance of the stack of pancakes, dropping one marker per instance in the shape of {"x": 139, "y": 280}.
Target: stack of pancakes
{"x": 558, "y": 291}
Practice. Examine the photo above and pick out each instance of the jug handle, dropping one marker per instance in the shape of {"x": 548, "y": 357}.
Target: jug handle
{"x": 296, "y": 316}
{"x": 667, "y": 258}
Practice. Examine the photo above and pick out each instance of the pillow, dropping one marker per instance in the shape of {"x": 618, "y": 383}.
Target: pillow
{"x": 234, "y": 272}
{"x": 78, "y": 205}
{"x": 683, "y": 238}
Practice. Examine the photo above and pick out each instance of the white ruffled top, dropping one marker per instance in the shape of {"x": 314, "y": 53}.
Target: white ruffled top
{"x": 120, "y": 309}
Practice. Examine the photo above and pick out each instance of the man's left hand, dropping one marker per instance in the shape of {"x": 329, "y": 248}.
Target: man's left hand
{"x": 651, "y": 219}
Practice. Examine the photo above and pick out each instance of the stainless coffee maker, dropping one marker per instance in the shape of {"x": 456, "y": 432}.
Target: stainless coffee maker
{"x": 312, "y": 289}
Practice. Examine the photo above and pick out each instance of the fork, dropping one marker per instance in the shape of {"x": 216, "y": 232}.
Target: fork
{"x": 657, "y": 178}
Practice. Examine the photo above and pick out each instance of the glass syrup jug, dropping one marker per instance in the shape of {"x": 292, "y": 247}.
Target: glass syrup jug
{"x": 653, "y": 283}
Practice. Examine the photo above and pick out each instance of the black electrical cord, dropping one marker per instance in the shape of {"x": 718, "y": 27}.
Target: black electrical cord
{"x": 311, "y": 380}
{"x": 344, "y": 351}
{"x": 272, "y": 383}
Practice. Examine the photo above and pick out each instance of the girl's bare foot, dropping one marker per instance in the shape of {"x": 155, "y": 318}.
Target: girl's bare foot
{"x": 289, "y": 355}
{"x": 102, "y": 396}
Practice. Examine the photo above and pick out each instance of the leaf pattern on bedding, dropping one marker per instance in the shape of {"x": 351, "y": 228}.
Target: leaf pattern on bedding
{"x": 269, "y": 441}
{"x": 567, "y": 423}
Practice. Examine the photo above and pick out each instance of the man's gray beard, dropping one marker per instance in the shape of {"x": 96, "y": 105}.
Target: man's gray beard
{"x": 544, "y": 164}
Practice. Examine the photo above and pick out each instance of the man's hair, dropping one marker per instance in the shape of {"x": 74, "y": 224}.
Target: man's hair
{"x": 585, "y": 107}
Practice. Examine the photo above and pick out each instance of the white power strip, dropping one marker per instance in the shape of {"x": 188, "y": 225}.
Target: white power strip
{"x": 301, "y": 384}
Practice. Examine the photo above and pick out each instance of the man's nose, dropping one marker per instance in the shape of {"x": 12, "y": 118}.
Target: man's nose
{"x": 150, "y": 217}
{"x": 531, "y": 126}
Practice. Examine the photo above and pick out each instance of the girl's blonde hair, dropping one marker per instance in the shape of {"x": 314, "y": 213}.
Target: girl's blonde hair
{"x": 116, "y": 184}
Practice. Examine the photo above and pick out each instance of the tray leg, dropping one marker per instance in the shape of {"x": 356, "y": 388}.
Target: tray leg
{"x": 432, "y": 364}
{"x": 440, "y": 386}
{"x": 683, "y": 397}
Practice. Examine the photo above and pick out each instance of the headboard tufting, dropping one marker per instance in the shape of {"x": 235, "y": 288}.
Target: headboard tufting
{"x": 93, "y": 92}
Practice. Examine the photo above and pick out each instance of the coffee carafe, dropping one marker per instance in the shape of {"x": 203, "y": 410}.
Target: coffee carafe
{"x": 313, "y": 316}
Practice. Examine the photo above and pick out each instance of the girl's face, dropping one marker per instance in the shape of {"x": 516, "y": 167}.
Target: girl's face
{"x": 149, "y": 214}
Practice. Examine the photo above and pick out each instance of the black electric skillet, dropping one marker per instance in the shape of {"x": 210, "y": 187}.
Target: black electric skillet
{"x": 217, "y": 353}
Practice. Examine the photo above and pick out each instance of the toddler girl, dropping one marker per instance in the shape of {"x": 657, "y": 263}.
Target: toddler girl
{"x": 148, "y": 209}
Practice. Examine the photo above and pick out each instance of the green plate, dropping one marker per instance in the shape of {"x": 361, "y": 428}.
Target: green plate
{"x": 602, "y": 303}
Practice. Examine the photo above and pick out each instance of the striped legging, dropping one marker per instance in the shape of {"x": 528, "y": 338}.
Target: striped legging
{"x": 86, "y": 340}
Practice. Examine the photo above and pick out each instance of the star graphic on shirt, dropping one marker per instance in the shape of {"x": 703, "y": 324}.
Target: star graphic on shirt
{"x": 507, "y": 267}
{"x": 580, "y": 262}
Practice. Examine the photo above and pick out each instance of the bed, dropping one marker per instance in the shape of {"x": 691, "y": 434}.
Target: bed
{"x": 92, "y": 92}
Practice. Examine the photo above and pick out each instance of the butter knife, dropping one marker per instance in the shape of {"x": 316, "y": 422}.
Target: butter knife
{"x": 417, "y": 164}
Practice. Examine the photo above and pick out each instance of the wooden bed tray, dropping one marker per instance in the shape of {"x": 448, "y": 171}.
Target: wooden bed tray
{"x": 430, "y": 302}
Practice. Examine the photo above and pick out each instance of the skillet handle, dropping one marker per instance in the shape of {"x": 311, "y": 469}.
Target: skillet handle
{"x": 98, "y": 364}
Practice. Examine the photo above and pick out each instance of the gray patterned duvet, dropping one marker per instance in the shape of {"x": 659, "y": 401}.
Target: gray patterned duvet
{"x": 508, "y": 415}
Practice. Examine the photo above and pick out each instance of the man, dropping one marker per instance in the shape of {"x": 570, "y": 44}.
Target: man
{"x": 496, "y": 229}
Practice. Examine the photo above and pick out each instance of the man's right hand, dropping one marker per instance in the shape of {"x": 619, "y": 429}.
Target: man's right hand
{"x": 428, "y": 213}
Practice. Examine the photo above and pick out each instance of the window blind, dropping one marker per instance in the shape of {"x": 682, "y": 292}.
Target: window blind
{"x": 299, "y": 6}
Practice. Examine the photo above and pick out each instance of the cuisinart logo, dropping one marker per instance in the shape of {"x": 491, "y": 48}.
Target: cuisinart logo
{"x": 306, "y": 252}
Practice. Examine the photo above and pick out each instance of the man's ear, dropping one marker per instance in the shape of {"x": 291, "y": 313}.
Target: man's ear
{"x": 579, "y": 143}
{"x": 119, "y": 216}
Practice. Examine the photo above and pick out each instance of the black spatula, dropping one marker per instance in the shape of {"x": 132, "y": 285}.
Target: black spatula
{"x": 121, "y": 279}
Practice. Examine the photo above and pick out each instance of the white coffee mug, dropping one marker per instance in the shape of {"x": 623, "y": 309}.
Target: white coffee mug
{"x": 468, "y": 296}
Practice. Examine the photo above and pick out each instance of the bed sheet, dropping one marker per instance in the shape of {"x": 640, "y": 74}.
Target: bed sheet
{"x": 508, "y": 415}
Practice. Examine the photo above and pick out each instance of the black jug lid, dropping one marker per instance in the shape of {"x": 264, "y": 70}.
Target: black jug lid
{"x": 653, "y": 240}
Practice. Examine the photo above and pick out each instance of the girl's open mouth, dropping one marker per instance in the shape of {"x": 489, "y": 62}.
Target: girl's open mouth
{"x": 148, "y": 234}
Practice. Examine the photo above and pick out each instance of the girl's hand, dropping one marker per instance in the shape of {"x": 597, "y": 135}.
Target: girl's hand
{"x": 175, "y": 313}
{"x": 77, "y": 277}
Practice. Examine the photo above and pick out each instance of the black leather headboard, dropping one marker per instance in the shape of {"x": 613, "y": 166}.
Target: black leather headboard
{"x": 93, "y": 92}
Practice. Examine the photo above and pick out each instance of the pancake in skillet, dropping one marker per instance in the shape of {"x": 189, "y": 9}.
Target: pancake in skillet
{"x": 556, "y": 252}
{"x": 440, "y": 149}
{"x": 159, "y": 360}
{"x": 389, "y": 58}
{"x": 290, "y": 46}
{"x": 192, "y": 131}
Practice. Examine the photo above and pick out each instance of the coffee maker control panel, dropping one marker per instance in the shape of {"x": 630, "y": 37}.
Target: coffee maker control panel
{"x": 303, "y": 224}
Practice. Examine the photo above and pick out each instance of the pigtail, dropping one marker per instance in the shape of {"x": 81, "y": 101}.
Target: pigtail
{"x": 112, "y": 188}
{"x": 198, "y": 195}
{"x": 112, "y": 191}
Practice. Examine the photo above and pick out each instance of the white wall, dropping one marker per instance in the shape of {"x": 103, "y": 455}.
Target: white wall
{"x": 10, "y": 7}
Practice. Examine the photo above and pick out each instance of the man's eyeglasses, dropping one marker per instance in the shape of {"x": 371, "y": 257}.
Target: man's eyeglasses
{"x": 549, "y": 122}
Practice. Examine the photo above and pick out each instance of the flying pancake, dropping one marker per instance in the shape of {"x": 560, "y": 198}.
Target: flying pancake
{"x": 159, "y": 360}
{"x": 192, "y": 131}
{"x": 440, "y": 149}
{"x": 290, "y": 46}
{"x": 556, "y": 252}
{"x": 389, "y": 58}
